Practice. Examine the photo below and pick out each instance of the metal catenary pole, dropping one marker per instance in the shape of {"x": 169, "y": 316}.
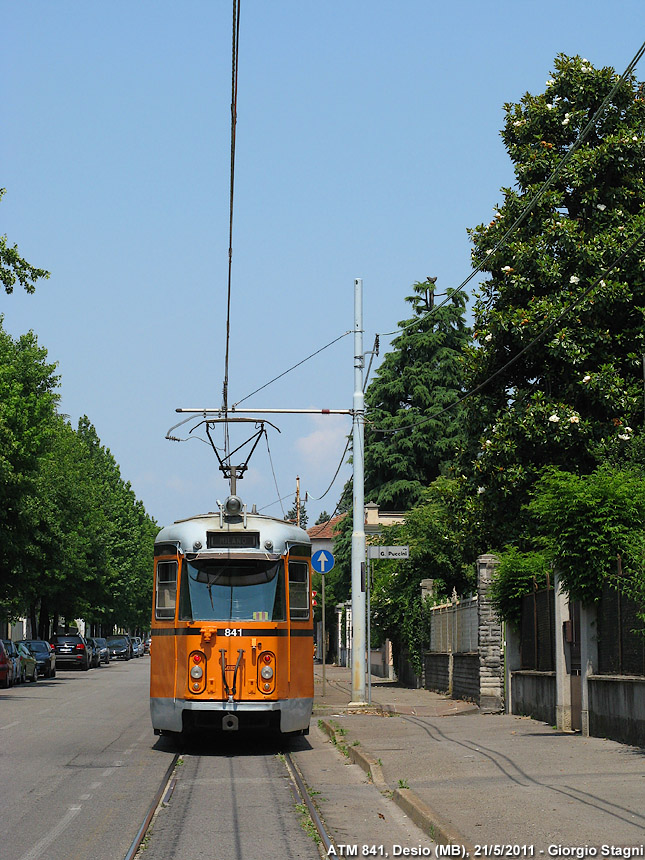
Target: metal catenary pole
{"x": 358, "y": 533}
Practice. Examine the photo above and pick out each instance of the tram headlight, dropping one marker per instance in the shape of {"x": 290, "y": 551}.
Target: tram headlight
{"x": 267, "y": 673}
{"x": 196, "y": 672}
{"x": 233, "y": 505}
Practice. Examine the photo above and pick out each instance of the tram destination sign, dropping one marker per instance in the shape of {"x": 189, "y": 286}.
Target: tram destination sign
{"x": 388, "y": 552}
{"x": 232, "y": 540}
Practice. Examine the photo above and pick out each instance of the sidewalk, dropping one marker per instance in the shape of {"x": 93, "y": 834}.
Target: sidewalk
{"x": 489, "y": 780}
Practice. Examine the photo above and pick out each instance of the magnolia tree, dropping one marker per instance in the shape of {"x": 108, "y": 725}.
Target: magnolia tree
{"x": 575, "y": 396}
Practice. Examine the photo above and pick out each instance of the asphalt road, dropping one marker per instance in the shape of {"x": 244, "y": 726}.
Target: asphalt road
{"x": 79, "y": 764}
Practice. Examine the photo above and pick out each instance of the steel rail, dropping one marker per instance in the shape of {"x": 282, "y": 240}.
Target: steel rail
{"x": 141, "y": 833}
{"x": 301, "y": 790}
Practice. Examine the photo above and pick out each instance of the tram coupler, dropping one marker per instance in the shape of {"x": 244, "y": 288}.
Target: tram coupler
{"x": 230, "y": 723}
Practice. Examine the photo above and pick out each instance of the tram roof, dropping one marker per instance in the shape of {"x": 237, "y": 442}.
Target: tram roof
{"x": 194, "y": 529}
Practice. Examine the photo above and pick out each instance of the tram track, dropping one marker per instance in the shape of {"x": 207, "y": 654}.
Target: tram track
{"x": 160, "y": 797}
{"x": 300, "y": 791}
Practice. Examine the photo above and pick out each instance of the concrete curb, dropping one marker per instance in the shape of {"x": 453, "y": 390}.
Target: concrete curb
{"x": 405, "y": 798}
{"x": 360, "y": 757}
{"x": 428, "y": 820}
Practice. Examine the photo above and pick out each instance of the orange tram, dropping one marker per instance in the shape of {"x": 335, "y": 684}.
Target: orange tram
{"x": 232, "y": 624}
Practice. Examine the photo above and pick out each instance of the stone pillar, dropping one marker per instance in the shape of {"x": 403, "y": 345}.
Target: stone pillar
{"x": 588, "y": 656}
{"x": 427, "y": 588}
{"x": 562, "y": 660}
{"x": 491, "y": 680}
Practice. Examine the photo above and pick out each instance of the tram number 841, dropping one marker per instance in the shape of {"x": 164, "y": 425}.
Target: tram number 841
{"x": 232, "y": 631}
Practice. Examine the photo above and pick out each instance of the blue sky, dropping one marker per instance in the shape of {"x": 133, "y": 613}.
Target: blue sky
{"x": 368, "y": 142}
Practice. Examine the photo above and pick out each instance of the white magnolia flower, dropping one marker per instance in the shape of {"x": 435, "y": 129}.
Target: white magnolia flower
{"x": 574, "y": 419}
{"x": 550, "y": 82}
{"x": 624, "y": 436}
{"x": 602, "y": 283}
{"x": 586, "y": 378}
{"x": 488, "y": 443}
{"x": 554, "y": 419}
{"x": 574, "y": 279}
{"x": 565, "y": 121}
{"x": 507, "y": 269}
{"x": 634, "y": 137}
{"x": 481, "y": 490}
{"x": 550, "y": 106}
{"x": 518, "y": 122}
{"x": 488, "y": 338}
{"x": 601, "y": 206}
{"x": 628, "y": 430}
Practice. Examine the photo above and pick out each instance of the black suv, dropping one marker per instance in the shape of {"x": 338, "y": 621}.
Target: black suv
{"x": 72, "y": 651}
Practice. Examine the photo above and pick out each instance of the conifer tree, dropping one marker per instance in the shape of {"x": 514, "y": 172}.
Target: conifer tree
{"x": 405, "y": 447}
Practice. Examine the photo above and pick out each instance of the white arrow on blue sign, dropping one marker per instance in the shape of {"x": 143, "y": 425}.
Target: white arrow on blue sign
{"x": 322, "y": 561}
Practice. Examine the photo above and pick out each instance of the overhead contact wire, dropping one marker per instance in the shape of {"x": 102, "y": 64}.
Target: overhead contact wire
{"x": 234, "y": 70}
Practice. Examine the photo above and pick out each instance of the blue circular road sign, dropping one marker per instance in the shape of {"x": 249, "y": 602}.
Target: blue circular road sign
{"x": 322, "y": 561}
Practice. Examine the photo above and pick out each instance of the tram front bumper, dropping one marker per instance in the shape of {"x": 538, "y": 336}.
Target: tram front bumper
{"x": 172, "y": 715}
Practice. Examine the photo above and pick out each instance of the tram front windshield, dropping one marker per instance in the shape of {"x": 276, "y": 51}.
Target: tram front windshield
{"x": 232, "y": 590}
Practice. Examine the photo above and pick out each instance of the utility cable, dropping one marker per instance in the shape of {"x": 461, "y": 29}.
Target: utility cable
{"x": 582, "y": 136}
{"x": 275, "y": 480}
{"x": 275, "y": 378}
{"x": 342, "y": 460}
{"x": 529, "y": 346}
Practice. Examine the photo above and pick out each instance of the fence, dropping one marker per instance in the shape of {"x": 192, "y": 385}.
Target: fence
{"x": 538, "y": 631}
{"x": 452, "y": 663}
{"x": 621, "y": 638}
{"x": 454, "y": 626}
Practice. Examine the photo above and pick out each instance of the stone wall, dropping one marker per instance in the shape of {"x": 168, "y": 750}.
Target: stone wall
{"x": 465, "y": 676}
{"x": 437, "y": 672}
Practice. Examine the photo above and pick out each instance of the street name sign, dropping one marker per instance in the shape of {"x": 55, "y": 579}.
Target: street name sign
{"x": 388, "y": 552}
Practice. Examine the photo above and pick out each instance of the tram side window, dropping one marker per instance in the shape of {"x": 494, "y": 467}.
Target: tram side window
{"x": 166, "y": 590}
{"x": 299, "y": 590}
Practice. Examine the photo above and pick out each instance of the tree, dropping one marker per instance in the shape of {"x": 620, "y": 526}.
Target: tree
{"x": 434, "y": 531}
{"x": 577, "y": 392}
{"x": 323, "y": 517}
{"x": 580, "y": 525}
{"x": 292, "y": 515}
{"x": 28, "y": 400}
{"x": 406, "y": 447}
{"x": 14, "y": 268}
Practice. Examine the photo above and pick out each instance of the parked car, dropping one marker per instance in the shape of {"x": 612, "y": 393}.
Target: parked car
{"x": 120, "y": 647}
{"x": 104, "y": 651}
{"x": 71, "y": 651}
{"x": 28, "y": 663}
{"x": 6, "y": 671}
{"x": 14, "y": 659}
{"x": 146, "y": 645}
{"x": 93, "y": 648}
{"x": 45, "y": 656}
{"x": 137, "y": 646}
